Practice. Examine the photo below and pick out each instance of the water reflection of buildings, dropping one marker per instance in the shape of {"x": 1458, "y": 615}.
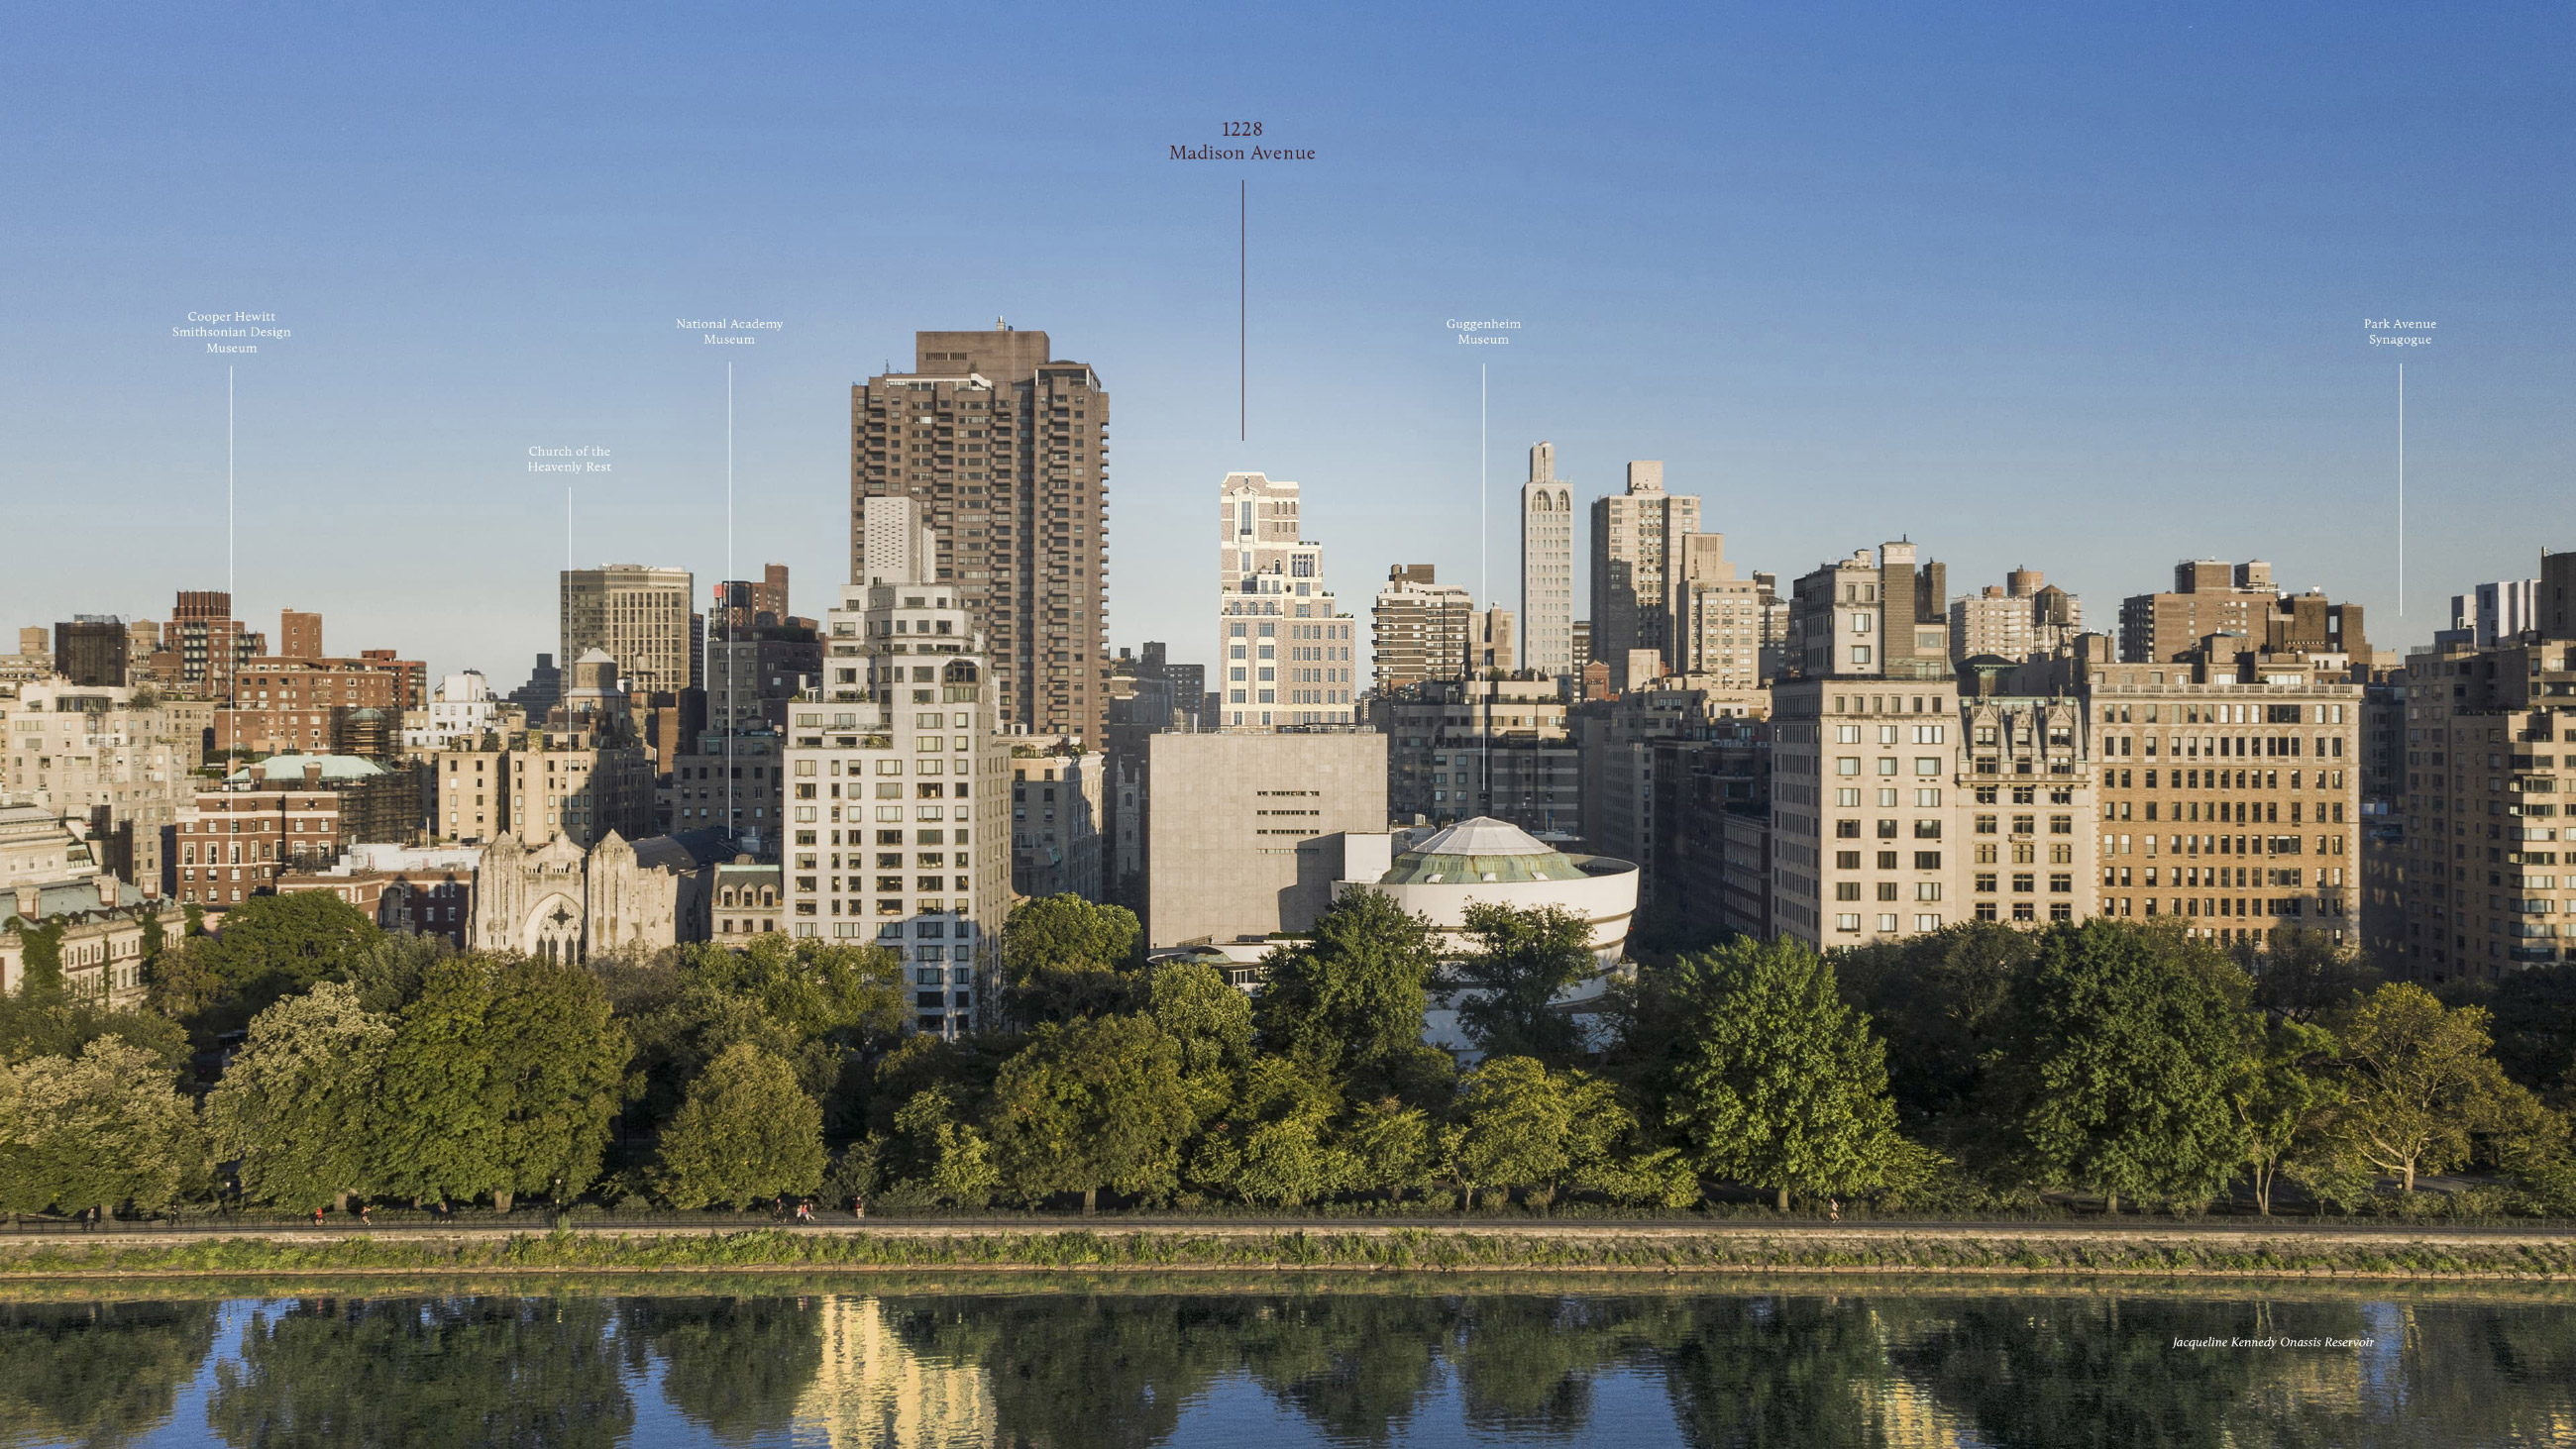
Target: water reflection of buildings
{"x": 1906, "y": 1414}
{"x": 874, "y": 1391}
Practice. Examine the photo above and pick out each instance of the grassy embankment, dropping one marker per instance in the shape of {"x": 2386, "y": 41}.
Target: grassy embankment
{"x": 2180, "y": 1252}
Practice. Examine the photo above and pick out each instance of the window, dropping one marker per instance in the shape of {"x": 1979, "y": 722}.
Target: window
{"x": 1887, "y": 890}
{"x": 1843, "y": 830}
{"x": 1848, "y": 764}
{"x": 2061, "y": 884}
{"x": 1927, "y": 890}
{"x": 1927, "y": 829}
{"x": 1846, "y": 860}
{"x": 1927, "y": 860}
{"x": 1927, "y": 923}
{"x": 1927, "y": 764}
{"x": 1847, "y": 922}
{"x": 1847, "y": 890}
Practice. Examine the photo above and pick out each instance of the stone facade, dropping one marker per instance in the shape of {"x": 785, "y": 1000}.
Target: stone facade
{"x": 1244, "y": 831}
{"x": 558, "y": 902}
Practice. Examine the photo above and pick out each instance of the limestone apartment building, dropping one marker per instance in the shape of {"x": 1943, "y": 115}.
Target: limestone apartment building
{"x": 1283, "y": 645}
{"x": 899, "y": 793}
{"x": 1547, "y": 568}
{"x": 2222, "y": 788}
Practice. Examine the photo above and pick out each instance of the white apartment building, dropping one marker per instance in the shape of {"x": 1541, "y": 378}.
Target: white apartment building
{"x": 2023, "y": 618}
{"x": 462, "y": 707}
{"x": 899, "y": 795}
{"x": 1284, "y": 651}
{"x": 1547, "y": 567}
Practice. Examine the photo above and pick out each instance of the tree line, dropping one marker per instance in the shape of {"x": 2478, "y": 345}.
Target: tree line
{"x": 1977, "y": 1067}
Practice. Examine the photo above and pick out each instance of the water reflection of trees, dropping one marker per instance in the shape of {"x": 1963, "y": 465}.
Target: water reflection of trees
{"x": 452, "y": 1371}
{"x": 1070, "y": 1371}
{"x": 97, "y": 1374}
{"x": 739, "y": 1366}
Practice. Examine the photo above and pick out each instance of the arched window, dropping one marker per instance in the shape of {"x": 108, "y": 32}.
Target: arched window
{"x": 959, "y": 671}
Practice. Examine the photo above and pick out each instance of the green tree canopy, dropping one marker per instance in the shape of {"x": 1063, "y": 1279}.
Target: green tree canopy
{"x": 1273, "y": 1147}
{"x": 814, "y": 988}
{"x": 36, "y": 1024}
{"x": 1092, "y": 1103}
{"x": 99, "y": 1130}
{"x": 1780, "y": 1084}
{"x": 938, "y": 1155}
{"x": 1940, "y": 1001}
{"x": 746, "y": 1133}
{"x": 1512, "y": 1124}
{"x": 1522, "y": 959}
{"x": 2122, "y": 1047}
{"x": 1210, "y": 1023}
{"x": 2418, "y": 1081}
{"x": 2285, "y": 1094}
{"x": 501, "y": 1078}
{"x": 1063, "y": 957}
{"x": 1349, "y": 999}
{"x": 2306, "y": 974}
{"x": 270, "y": 946}
{"x": 297, "y": 1106}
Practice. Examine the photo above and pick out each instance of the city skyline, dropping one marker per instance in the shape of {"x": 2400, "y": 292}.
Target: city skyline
{"x": 2061, "y": 324}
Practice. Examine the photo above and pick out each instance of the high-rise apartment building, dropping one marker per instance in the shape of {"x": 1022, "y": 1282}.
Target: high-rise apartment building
{"x": 90, "y": 650}
{"x": 1491, "y": 646}
{"x": 640, "y": 616}
{"x": 2495, "y": 613}
{"x": 1007, "y": 451}
{"x": 1632, "y": 576}
{"x": 899, "y": 802}
{"x": 1547, "y": 568}
{"x": 299, "y": 635}
{"x": 2211, "y": 596}
{"x": 1419, "y": 628}
{"x": 1902, "y": 800}
{"x": 1458, "y": 748}
{"x": 2231, "y": 794}
{"x": 2025, "y": 617}
{"x": 1718, "y": 619}
{"x": 95, "y": 752}
{"x": 2490, "y": 753}
{"x": 1882, "y": 618}
{"x": 205, "y": 645}
{"x": 1284, "y": 648}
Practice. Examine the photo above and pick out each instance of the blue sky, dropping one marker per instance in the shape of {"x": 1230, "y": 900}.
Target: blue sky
{"x": 2045, "y": 285}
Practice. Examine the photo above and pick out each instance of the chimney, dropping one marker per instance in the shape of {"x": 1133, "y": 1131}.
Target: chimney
{"x": 30, "y": 902}
{"x": 106, "y": 892}
{"x": 312, "y": 774}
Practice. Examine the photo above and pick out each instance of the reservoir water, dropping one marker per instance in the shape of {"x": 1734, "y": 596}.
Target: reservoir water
{"x": 852, "y": 1362}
